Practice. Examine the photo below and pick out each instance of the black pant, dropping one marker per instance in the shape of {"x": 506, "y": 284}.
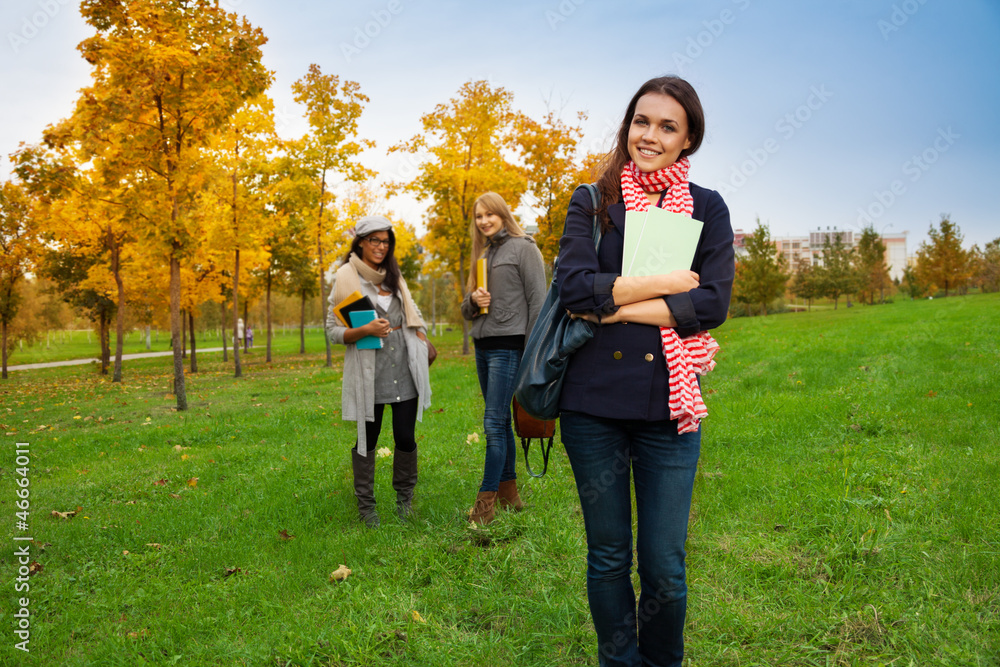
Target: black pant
{"x": 404, "y": 422}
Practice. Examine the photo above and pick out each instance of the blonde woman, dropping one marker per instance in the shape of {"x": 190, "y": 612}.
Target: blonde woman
{"x": 514, "y": 294}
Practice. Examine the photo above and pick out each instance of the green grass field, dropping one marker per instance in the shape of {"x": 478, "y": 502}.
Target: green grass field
{"x": 846, "y": 511}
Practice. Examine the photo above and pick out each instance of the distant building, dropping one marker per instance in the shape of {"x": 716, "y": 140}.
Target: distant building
{"x": 809, "y": 248}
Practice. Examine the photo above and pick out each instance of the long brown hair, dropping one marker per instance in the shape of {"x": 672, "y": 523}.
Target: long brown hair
{"x": 491, "y": 203}
{"x": 610, "y": 168}
{"x": 392, "y": 273}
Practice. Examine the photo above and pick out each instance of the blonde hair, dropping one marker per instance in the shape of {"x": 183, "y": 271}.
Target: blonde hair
{"x": 491, "y": 203}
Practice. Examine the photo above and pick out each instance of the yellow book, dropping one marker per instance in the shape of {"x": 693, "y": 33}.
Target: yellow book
{"x": 352, "y": 298}
{"x": 481, "y": 280}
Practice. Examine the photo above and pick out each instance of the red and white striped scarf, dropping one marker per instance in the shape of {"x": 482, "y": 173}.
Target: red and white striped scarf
{"x": 688, "y": 357}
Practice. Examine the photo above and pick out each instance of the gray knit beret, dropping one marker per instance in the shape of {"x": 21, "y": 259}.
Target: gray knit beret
{"x": 371, "y": 223}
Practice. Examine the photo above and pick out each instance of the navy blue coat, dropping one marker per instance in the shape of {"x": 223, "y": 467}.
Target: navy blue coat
{"x": 611, "y": 376}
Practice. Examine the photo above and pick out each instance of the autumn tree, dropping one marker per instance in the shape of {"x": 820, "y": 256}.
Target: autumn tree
{"x": 836, "y": 273}
{"x": 942, "y": 262}
{"x": 469, "y": 143}
{"x": 872, "y": 271}
{"x": 552, "y": 170}
{"x": 241, "y": 152}
{"x": 332, "y": 109}
{"x": 761, "y": 274}
{"x": 805, "y": 281}
{"x": 19, "y": 244}
{"x": 167, "y": 75}
{"x": 911, "y": 284}
{"x": 988, "y": 267}
{"x": 291, "y": 268}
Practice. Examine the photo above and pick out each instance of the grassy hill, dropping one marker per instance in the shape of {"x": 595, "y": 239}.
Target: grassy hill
{"x": 845, "y": 513}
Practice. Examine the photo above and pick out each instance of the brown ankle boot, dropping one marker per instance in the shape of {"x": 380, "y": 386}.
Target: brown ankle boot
{"x": 482, "y": 511}
{"x": 507, "y": 496}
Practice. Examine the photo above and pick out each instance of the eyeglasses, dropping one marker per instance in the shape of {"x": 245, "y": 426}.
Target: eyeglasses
{"x": 376, "y": 243}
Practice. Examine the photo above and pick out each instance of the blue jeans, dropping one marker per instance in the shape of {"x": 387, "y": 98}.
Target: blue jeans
{"x": 497, "y": 370}
{"x": 604, "y": 454}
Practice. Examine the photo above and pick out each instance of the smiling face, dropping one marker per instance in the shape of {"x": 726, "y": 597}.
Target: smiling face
{"x": 487, "y": 222}
{"x": 374, "y": 248}
{"x": 658, "y": 133}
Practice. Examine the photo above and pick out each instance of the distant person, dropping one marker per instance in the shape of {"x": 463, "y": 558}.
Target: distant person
{"x": 396, "y": 375}
{"x": 249, "y": 335}
{"x": 514, "y": 293}
{"x": 616, "y": 414}
{"x": 238, "y": 335}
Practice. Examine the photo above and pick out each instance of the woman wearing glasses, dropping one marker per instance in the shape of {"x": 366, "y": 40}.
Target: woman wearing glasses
{"x": 396, "y": 374}
{"x": 502, "y": 315}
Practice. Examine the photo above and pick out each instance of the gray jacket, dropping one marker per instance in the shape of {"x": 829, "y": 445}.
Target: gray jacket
{"x": 516, "y": 285}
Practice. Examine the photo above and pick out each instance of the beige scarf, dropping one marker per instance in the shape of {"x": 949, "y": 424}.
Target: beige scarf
{"x": 348, "y": 282}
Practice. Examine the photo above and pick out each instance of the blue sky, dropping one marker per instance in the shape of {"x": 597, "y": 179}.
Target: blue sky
{"x": 818, "y": 113}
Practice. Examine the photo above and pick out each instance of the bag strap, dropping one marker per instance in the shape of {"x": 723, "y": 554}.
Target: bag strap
{"x": 595, "y": 200}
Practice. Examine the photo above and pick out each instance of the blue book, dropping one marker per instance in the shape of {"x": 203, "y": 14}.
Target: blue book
{"x": 359, "y": 318}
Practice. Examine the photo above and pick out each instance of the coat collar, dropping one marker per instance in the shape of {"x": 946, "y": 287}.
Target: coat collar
{"x": 498, "y": 239}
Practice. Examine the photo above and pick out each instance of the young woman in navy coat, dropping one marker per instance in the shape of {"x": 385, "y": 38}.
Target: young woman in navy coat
{"x": 616, "y": 418}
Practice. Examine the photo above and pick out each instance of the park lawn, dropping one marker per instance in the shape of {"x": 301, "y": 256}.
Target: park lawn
{"x": 845, "y": 512}
{"x": 83, "y": 344}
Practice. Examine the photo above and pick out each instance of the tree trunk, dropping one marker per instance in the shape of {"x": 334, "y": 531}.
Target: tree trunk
{"x": 236, "y": 314}
{"x": 3, "y": 350}
{"x": 194, "y": 352}
{"x": 175, "y": 330}
{"x": 302, "y": 325}
{"x": 120, "y": 319}
{"x": 246, "y": 325}
{"x": 322, "y": 271}
{"x": 184, "y": 345}
{"x": 225, "y": 350}
{"x": 268, "y": 311}
{"x": 104, "y": 324}
{"x": 149, "y": 345}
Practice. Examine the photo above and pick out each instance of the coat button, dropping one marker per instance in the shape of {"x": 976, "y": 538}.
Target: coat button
{"x": 617, "y": 355}
{"x": 649, "y": 356}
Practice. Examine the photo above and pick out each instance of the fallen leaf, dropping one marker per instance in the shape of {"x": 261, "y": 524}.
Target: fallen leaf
{"x": 178, "y": 448}
{"x": 284, "y": 535}
{"x": 34, "y": 567}
{"x": 471, "y": 438}
{"x": 160, "y": 482}
{"x": 384, "y": 452}
{"x": 125, "y": 553}
{"x": 232, "y": 570}
{"x": 155, "y": 545}
{"x": 193, "y": 481}
{"x": 340, "y": 573}
{"x": 174, "y": 495}
{"x": 931, "y": 394}
{"x": 417, "y": 617}
{"x": 64, "y": 515}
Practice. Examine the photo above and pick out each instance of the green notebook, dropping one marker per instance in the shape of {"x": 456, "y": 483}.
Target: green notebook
{"x": 658, "y": 241}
